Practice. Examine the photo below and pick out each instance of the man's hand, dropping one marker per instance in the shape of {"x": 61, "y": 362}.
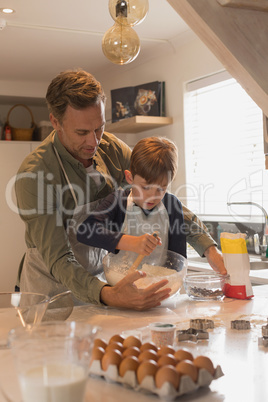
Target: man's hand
{"x": 215, "y": 259}
{"x": 126, "y": 294}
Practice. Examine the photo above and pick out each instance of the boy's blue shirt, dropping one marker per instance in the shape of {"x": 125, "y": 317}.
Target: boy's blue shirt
{"x": 103, "y": 228}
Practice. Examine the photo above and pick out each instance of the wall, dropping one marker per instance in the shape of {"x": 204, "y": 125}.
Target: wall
{"x": 181, "y": 64}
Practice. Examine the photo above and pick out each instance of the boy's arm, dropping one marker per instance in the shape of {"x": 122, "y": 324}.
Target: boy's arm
{"x": 102, "y": 228}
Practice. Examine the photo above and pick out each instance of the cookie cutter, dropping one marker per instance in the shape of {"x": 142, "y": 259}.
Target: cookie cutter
{"x": 264, "y": 339}
{"x": 240, "y": 324}
{"x": 192, "y": 334}
{"x": 201, "y": 323}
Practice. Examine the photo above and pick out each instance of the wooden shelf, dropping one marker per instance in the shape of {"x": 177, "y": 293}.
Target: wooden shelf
{"x": 259, "y": 5}
{"x": 137, "y": 124}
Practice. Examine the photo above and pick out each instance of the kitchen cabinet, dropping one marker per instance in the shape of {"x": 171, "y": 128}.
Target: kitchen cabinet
{"x": 137, "y": 124}
{"x": 12, "y": 244}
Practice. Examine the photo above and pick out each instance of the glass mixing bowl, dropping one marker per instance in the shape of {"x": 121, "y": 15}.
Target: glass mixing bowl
{"x": 24, "y": 308}
{"x": 205, "y": 286}
{"x": 169, "y": 265}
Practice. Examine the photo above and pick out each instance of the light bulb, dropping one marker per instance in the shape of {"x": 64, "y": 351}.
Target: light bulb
{"x": 128, "y": 12}
{"x": 121, "y": 44}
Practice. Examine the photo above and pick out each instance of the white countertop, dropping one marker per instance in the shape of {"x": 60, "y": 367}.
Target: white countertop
{"x": 243, "y": 361}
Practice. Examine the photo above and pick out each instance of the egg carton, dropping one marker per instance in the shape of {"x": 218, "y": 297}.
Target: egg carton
{"x": 167, "y": 391}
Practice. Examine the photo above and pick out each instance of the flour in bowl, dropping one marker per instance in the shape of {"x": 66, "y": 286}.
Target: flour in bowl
{"x": 154, "y": 273}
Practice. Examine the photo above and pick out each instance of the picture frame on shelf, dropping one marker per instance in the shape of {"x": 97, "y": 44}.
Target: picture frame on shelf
{"x": 145, "y": 100}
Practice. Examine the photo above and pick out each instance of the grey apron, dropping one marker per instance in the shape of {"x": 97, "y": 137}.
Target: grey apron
{"x": 35, "y": 276}
{"x": 136, "y": 223}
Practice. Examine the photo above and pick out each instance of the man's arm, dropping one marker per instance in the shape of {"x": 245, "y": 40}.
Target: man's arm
{"x": 46, "y": 232}
{"x": 198, "y": 237}
{"x": 196, "y": 232}
{"x": 215, "y": 259}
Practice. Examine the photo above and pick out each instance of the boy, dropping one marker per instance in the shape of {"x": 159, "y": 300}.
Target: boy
{"x": 126, "y": 219}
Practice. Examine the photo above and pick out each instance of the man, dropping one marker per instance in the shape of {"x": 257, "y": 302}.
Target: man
{"x": 61, "y": 182}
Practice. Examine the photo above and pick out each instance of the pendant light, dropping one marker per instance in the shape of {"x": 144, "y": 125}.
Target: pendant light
{"x": 121, "y": 44}
{"x": 130, "y": 12}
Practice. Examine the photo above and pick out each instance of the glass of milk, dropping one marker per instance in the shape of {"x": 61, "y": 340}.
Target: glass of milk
{"x": 52, "y": 360}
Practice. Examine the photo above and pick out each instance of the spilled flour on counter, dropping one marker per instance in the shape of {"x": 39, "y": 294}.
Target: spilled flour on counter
{"x": 154, "y": 274}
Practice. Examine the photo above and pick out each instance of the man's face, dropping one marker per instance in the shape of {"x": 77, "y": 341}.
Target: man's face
{"x": 81, "y": 131}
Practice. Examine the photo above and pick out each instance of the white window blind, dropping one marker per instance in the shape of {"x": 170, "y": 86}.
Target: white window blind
{"x": 224, "y": 146}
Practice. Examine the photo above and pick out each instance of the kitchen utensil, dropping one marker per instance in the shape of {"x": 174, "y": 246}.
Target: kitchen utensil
{"x": 136, "y": 263}
{"x": 205, "y": 286}
{"x": 171, "y": 266}
{"x": 192, "y": 334}
{"x": 52, "y": 360}
{"x": 201, "y": 323}
{"x": 24, "y": 308}
{"x": 139, "y": 258}
{"x": 60, "y": 307}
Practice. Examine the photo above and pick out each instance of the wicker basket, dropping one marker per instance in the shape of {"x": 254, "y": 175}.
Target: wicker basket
{"x": 21, "y": 134}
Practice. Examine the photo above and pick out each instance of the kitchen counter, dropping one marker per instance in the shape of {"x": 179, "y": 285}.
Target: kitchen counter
{"x": 242, "y": 360}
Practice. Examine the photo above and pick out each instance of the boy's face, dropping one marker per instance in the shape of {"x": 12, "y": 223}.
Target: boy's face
{"x": 146, "y": 195}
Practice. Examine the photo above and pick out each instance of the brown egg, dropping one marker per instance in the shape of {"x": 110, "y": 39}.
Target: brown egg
{"x": 183, "y": 354}
{"x": 148, "y": 355}
{"x": 165, "y": 360}
{"x": 131, "y": 351}
{"x": 97, "y": 353}
{"x": 167, "y": 374}
{"x": 186, "y": 367}
{"x": 117, "y": 338}
{"x": 115, "y": 345}
{"x": 100, "y": 342}
{"x": 204, "y": 362}
{"x": 113, "y": 357}
{"x": 130, "y": 363}
{"x": 132, "y": 341}
{"x": 146, "y": 368}
{"x": 148, "y": 345}
{"x": 166, "y": 350}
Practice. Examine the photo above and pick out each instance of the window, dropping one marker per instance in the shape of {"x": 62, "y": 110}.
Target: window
{"x": 224, "y": 147}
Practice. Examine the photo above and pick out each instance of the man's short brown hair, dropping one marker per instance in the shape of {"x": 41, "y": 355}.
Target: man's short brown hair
{"x": 154, "y": 159}
{"x": 76, "y": 88}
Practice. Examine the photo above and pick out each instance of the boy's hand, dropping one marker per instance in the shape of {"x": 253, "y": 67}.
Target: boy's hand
{"x": 144, "y": 244}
